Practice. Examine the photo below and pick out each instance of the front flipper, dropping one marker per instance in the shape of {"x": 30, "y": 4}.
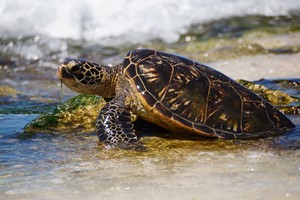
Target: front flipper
{"x": 114, "y": 127}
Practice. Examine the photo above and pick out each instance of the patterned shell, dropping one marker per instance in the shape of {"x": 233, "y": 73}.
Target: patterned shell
{"x": 184, "y": 95}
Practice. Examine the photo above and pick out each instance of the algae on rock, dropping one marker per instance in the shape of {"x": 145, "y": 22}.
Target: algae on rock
{"x": 79, "y": 112}
{"x": 275, "y": 97}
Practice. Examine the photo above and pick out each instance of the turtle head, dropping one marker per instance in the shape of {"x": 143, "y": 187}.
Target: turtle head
{"x": 85, "y": 77}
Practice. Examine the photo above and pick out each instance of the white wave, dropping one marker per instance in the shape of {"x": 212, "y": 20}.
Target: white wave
{"x": 133, "y": 20}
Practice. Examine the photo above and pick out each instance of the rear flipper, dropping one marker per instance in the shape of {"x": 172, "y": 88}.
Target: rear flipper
{"x": 114, "y": 127}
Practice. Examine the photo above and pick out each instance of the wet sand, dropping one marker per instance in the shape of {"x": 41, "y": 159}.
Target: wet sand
{"x": 257, "y": 67}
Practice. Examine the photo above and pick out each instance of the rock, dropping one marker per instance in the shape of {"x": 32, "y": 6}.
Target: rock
{"x": 8, "y": 91}
{"x": 275, "y": 97}
{"x": 78, "y": 113}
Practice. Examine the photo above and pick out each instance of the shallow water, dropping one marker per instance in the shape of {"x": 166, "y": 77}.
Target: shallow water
{"x": 72, "y": 165}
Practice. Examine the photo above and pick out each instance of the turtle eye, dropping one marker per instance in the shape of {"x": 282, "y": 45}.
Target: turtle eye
{"x": 76, "y": 68}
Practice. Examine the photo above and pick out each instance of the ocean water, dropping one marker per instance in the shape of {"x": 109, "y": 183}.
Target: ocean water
{"x": 35, "y": 35}
{"x": 123, "y": 21}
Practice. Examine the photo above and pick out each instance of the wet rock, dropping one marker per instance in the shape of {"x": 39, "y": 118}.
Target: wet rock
{"x": 8, "y": 91}
{"x": 290, "y": 110}
{"x": 276, "y": 97}
{"x": 78, "y": 113}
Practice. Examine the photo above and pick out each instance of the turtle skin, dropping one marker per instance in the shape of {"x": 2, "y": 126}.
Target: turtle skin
{"x": 185, "y": 96}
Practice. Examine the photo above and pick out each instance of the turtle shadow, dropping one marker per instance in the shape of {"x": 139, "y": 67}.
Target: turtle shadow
{"x": 287, "y": 141}
{"x": 147, "y": 129}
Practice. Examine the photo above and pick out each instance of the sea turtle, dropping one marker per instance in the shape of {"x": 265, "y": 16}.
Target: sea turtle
{"x": 173, "y": 92}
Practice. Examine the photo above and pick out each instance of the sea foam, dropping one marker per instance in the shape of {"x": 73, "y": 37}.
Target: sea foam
{"x": 124, "y": 20}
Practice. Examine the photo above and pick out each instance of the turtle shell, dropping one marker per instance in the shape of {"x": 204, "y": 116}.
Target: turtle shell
{"x": 185, "y": 96}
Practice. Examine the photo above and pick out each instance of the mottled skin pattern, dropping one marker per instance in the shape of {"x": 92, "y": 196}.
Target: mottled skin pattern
{"x": 173, "y": 92}
{"x": 114, "y": 125}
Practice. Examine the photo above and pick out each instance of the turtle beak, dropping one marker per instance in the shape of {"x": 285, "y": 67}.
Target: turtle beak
{"x": 63, "y": 73}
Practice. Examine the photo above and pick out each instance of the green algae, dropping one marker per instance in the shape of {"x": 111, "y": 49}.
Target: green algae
{"x": 78, "y": 113}
{"x": 275, "y": 97}
{"x": 77, "y": 102}
{"x": 43, "y": 122}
